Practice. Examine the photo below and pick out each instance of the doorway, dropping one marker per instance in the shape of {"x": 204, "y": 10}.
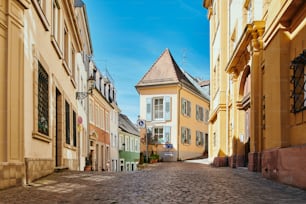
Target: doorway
{"x": 58, "y": 127}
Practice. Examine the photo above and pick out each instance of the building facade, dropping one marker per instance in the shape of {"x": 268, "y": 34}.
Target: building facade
{"x": 174, "y": 108}
{"x": 40, "y": 75}
{"x": 102, "y": 104}
{"x": 82, "y": 69}
{"x": 258, "y": 86}
{"x": 129, "y": 144}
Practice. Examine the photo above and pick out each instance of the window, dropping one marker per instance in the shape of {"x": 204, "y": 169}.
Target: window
{"x": 137, "y": 145}
{"x": 299, "y": 83}
{"x": 66, "y": 46}
{"x": 206, "y": 115}
{"x": 158, "y": 108}
{"x": 199, "y": 138}
{"x": 74, "y": 129}
{"x": 199, "y": 113}
{"x": 91, "y": 111}
{"x": 106, "y": 121}
{"x": 185, "y": 135}
{"x": 132, "y": 144}
{"x": 127, "y": 143}
{"x": 42, "y": 4}
{"x": 159, "y": 135}
{"x": 56, "y": 20}
{"x": 186, "y": 107}
{"x": 67, "y": 110}
{"x": 73, "y": 63}
{"x": 121, "y": 142}
{"x": 43, "y": 101}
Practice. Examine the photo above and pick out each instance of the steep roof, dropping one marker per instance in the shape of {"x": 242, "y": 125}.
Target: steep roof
{"x": 166, "y": 71}
{"x": 163, "y": 71}
{"x": 126, "y": 125}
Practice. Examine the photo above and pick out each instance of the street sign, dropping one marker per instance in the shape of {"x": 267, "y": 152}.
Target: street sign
{"x": 169, "y": 146}
{"x": 141, "y": 123}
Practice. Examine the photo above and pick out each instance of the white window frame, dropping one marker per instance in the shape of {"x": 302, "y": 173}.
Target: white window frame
{"x": 158, "y": 109}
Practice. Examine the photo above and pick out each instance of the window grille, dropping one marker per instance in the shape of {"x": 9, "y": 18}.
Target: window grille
{"x": 43, "y": 101}
{"x": 298, "y": 80}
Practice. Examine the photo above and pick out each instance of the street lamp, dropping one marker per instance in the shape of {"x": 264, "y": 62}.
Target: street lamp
{"x": 91, "y": 85}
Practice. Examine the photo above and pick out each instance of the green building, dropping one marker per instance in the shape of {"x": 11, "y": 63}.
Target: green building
{"x": 129, "y": 144}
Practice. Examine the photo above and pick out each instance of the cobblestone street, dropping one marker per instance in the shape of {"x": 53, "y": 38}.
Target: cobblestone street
{"x": 159, "y": 183}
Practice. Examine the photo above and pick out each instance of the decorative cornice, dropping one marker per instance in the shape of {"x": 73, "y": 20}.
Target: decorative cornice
{"x": 251, "y": 41}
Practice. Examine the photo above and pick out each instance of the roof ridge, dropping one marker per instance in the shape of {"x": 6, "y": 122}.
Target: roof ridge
{"x": 167, "y": 49}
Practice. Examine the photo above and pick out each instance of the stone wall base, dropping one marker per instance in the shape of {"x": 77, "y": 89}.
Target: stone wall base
{"x": 286, "y": 165}
{"x": 220, "y": 162}
{"x": 11, "y": 174}
{"x": 236, "y": 161}
{"x": 72, "y": 164}
{"x": 254, "y": 161}
{"x": 37, "y": 168}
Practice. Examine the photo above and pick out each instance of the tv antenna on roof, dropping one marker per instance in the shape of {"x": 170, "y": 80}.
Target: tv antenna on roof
{"x": 184, "y": 57}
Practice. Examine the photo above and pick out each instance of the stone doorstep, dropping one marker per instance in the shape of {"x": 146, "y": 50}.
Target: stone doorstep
{"x": 60, "y": 168}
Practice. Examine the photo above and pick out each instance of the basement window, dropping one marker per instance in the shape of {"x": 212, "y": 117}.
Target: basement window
{"x": 299, "y": 83}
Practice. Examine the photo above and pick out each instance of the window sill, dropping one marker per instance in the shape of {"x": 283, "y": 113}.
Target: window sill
{"x": 41, "y": 137}
{"x": 56, "y": 47}
{"x": 73, "y": 82}
{"x": 68, "y": 146}
{"x": 41, "y": 15}
{"x": 68, "y": 71}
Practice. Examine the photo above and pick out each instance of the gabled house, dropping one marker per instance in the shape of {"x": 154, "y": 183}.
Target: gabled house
{"x": 175, "y": 110}
{"x": 129, "y": 144}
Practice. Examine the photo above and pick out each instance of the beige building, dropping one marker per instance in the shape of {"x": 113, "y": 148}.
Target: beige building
{"x": 174, "y": 109}
{"x": 257, "y": 66}
{"x": 39, "y": 78}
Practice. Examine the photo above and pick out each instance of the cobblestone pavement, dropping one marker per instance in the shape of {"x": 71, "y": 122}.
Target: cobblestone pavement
{"x": 158, "y": 183}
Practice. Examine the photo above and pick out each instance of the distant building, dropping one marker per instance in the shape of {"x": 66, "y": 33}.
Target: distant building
{"x": 103, "y": 123}
{"x": 129, "y": 144}
{"x": 257, "y": 65}
{"x": 175, "y": 109}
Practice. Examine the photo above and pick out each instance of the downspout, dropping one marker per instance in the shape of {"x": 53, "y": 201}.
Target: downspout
{"x": 178, "y": 121}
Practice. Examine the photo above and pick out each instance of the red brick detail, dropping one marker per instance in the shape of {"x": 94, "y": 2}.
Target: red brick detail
{"x": 236, "y": 161}
{"x": 254, "y": 161}
{"x": 220, "y": 162}
{"x": 285, "y": 165}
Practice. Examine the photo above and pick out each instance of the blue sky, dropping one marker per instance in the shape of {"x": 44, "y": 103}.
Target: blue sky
{"x": 129, "y": 35}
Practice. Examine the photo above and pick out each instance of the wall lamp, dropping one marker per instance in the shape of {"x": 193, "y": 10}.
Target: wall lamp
{"x": 91, "y": 85}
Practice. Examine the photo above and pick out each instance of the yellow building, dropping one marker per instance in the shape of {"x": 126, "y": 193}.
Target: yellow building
{"x": 174, "y": 109}
{"x": 258, "y": 90}
{"x": 38, "y": 107}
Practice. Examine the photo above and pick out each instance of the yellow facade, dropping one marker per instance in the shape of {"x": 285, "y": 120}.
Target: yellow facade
{"x": 259, "y": 102}
{"x": 39, "y": 43}
{"x": 175, "y": 132}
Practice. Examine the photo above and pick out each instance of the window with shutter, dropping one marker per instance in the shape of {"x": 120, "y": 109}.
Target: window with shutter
{"x": 167, "y": 106}
{"x": 149, "y": 109}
